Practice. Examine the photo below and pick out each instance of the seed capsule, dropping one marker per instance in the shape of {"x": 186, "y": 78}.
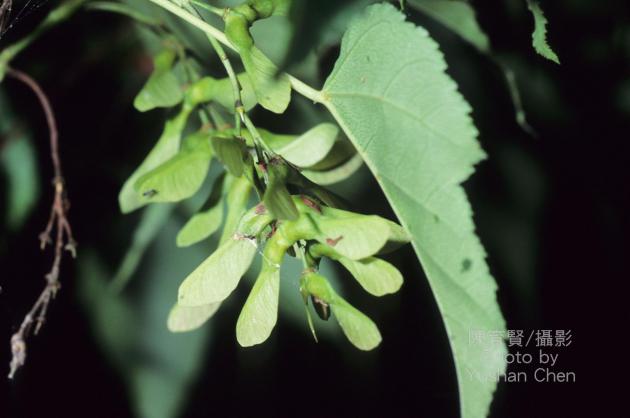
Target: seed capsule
{"x": 321, "y": 307}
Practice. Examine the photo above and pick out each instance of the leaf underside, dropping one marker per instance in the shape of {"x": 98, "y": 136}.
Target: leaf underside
{"x": 391, "y": 95}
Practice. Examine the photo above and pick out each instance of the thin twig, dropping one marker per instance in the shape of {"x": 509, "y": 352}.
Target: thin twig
{"x": 234, "y": 82}
{"x": 236, "y": 87}
{"x": 298, "y": 85}
{"x": 5, "y": 14}
{"x": 58, "y": 219}
{"x": 240, "y": 116}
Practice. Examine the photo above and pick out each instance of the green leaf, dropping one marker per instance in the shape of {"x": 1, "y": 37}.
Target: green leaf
{"x": 207, "y": 221}
{"x": 237, "y": 198}
{"x": 123, "y": 9}
{"x": 18, "y": 159}
{"x": 179, "y": 177}
{"x": 391, "y": 95}
{"x": 231, "y": 152}
{"x": 311, "y": 147}
{"x": 162, "y": 89}
{"x": 188, "y": 318}
{"x": 458, "y": 16}
{"x": 277, "y": 199}
{"x": 106, "y": 307}
{"x": 272, "y": 91}
{"x": 151, "y": 223}
{"x": 218, "y": 275}
{"x": 273, "y": 140}
{"x": 201, "y": 226}
{"x": 539, "y": 36}
{"x": 337, "y": 174}
{"x": 315, "y": 22}
{"x": 279, "y": 202}
{"x": 157, "y": 367}
{"x": 341, "y": 152}
{"x": 220, "y": 91}
{"x": 165, "y": 148}
{"x": 260, "y": 312}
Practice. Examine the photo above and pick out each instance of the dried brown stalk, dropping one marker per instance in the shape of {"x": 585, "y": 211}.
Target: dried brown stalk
{"x": 5, "y": 12}
{"x": 57, "y": 224}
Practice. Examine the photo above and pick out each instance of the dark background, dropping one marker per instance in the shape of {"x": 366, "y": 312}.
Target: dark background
{"x": 551, "y": 210}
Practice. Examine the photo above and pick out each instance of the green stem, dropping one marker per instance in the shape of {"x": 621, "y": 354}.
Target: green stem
{"x": 122, "y": 9}
{"x": 58, "y": 14}
{"x": 195, "y": 21}
{"x": 298, "y": 85}
{"x": 305, "y": 90}
{"x": 258, "y": 140}
{"x": 236, "y": 89}
{"x": 212, "y": 9}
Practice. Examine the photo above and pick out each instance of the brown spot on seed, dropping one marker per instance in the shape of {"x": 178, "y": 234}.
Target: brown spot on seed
{"x": 311, "y": 204}
{"x": 332, "y": 242}
{"x": 274, "y": 228}
{"x": 260, "y": 209}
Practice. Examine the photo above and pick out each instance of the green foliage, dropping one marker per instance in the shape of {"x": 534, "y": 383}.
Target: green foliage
{"x": 57, "y": 15}
{"x": 458, "y": 16}
{"x": 123, "y": 9}
{"x": 236, "y": 199}
{"x": 403, "y": 117}
{"x": 260, "y": 312}
{"x": 335, "y": 174}
{"x": 376, "y": 276}
{"x": 162, "y": 88}
{"x": 390, "y": 82}
{"x": 151, "y": 223}
{"x": 273, "y": 91}
{"x": 19, "y": 163}
{"x": 277, "y": 199}
{"x": 359, "y": 329}
{"x": 181, "y": 176}
{"x": 539, "y": 36}
{"x": 217, "y": 277}
{"x": 209, "y": 89}
{"x": 204, "y": 223}
{"x": 312, "y": 22}
{"x": 231, "y": 151}
{"x": 309, "y": 148}
{"x": 187, "y": 318}
{"x": 166, "y": 147}
{"x": 355, "y": 236}
{"x": 156, "y": 366}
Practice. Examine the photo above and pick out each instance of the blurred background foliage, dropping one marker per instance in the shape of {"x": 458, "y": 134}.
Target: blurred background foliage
{"x": 550, "y": 209}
